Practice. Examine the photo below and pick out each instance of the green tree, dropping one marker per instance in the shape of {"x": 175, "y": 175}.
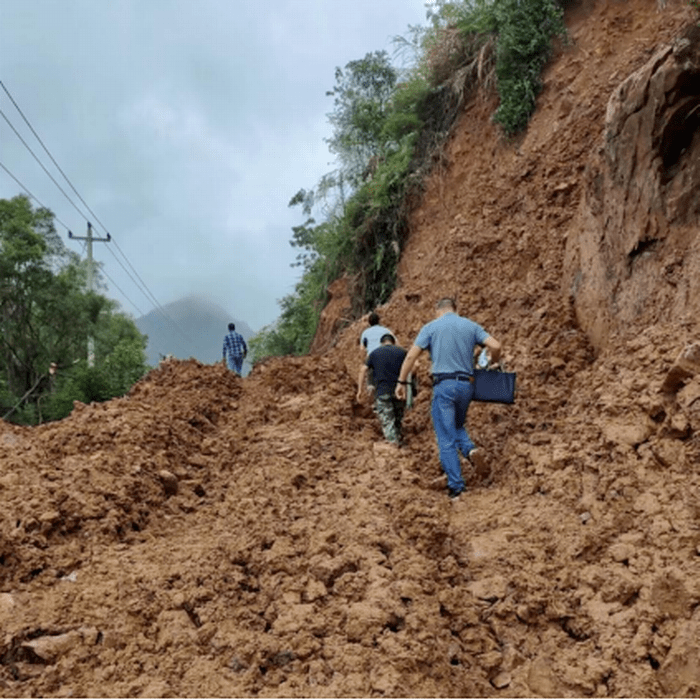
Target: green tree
{"x": 29, "y": 248}
{"x": 362, "y": 93}
{"x": 112, "y": 376}
{"x": 46, "y": 315}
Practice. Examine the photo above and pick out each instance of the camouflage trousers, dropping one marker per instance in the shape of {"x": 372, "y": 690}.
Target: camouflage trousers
{"x": 390, "y": 410}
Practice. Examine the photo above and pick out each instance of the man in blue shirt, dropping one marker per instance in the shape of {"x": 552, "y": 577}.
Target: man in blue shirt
{"x": 235, "y": 349}
{"x": 450, "y": 339}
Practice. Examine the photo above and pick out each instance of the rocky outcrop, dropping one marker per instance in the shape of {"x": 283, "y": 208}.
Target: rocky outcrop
{"x": 641, "y": 201}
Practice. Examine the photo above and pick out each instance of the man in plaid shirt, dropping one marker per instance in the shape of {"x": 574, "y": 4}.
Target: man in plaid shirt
{"x": 235, "y": 349}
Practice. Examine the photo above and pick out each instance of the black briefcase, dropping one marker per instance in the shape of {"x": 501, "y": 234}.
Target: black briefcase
{"x": 494, "y": 385}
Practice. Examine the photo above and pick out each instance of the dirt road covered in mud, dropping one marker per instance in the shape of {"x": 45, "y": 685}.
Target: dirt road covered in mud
{"x": 214, "y": 536}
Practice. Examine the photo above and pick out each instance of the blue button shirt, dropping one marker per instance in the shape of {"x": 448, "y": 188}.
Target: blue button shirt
{"x": 234, "y": 345}
{"x": 451, "y": 339}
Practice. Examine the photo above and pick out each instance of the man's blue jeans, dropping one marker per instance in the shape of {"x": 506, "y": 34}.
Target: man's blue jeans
{"x": 451, "y": 399}
{"x": 235, "y": 364}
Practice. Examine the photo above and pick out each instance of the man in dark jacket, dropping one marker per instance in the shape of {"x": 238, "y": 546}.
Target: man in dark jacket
{"x": 385, "y": 363}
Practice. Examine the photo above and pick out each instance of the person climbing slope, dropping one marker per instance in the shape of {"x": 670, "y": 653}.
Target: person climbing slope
{"x": 371, "y": 337}
{"x": 370, "y": 340}
{"x": 385, "y": 363}
{"x": 450, "y": 339}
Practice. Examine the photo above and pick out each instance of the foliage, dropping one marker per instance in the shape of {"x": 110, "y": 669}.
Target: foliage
{"x": 294, "y": 330}
{"x": 523, "y": 32}
{"x": 114, "y": 376}
{"x": 47, "y": 314}
{"x": 362, "y": 95}
{"x": 375, "y": 122}
{"x": 387, "y": 124}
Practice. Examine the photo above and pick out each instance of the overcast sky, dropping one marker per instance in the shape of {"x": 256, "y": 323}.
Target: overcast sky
{"x": 186, "y": 126}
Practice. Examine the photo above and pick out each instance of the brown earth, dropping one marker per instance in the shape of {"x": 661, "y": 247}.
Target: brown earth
{"x": 212, "y": 536}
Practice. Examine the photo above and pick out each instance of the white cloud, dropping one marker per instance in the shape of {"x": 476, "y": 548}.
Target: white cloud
{"x": 187, "y": 127}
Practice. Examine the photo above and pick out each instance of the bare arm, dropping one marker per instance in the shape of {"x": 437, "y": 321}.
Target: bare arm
{"x": 408, "y": 363}
{"x": 494, "y": 348}
{"x": 361, "y": 379}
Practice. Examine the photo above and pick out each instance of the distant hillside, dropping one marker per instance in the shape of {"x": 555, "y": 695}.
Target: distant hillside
{"x": 198, "y": 330}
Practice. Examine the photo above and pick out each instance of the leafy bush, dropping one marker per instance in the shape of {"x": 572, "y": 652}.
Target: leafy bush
{"x": 523, "y": 32}
{"x": 386, "y": 127}
{"x": 113, "y": 377}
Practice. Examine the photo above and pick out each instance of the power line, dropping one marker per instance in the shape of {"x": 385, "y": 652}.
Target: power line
{"x": 104, "y": 272}
{"x": 33, "y": 197}
{"x": 43, "y": 145}
{"x": 142, "y": 287}
{"x": 147, "y": 291}
{"x": 43, "y": 167}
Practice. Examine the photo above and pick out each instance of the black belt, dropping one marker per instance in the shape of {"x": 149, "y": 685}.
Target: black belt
{"x": 459, "y": 376}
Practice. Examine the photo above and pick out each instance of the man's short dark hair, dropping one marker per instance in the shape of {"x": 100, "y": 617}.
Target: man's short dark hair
{"x": 232, "y": 326}
{"x": 388, "y": 338}
{"x": 447, "y": 303}
{"x": 373, "y": 319}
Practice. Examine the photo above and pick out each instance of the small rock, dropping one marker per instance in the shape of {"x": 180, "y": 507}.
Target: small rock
{"x": 90, "y": 635}
{"x": 491, "y": 589}
{"x": 49, "y": 516}
{"x": 169, "y": 481}
{"x": 236, "y": 665}
{"x": 315, "y": 589}
{"x": 7, "y": 607}
{"x": 282, "y": 658}
{"x": 585, "y": 517}
{"x": 501, "y": 680}
{"x": 687, "y": 365}
{"x": 622, "y": 552}
{"x": 679, "y": 427}
{"x": 50, "y": 647}
{"x": 557, "y": 363}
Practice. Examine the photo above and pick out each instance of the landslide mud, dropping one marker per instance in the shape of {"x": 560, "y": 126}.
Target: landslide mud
{"x": 214, "y": 536}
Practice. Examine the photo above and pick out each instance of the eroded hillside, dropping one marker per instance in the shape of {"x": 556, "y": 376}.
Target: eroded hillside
{"x": 211, "y": 536}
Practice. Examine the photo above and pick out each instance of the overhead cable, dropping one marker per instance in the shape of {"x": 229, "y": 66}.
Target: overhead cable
{"x": 143, "y": 288}
{"x": 31, "y": 195}
{"x": 43, "y": 167}
{"x": 4, "y": 167}
{"x": 119, "y": 289}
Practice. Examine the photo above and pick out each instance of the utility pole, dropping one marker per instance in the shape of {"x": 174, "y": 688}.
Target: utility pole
{"x": 90, "y": 278}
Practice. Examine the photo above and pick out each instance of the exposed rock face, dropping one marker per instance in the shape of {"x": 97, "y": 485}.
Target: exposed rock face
{"x": 642, "y": 196}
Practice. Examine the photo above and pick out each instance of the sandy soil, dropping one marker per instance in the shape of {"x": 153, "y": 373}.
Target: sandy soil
{"x": 212, "y": 536}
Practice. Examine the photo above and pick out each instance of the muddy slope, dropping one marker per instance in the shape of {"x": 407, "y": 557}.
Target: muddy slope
{"x": 212, "y": 536}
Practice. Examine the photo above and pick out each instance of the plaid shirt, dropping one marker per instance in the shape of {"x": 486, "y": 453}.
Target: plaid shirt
{"x": 234, "y": 345}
